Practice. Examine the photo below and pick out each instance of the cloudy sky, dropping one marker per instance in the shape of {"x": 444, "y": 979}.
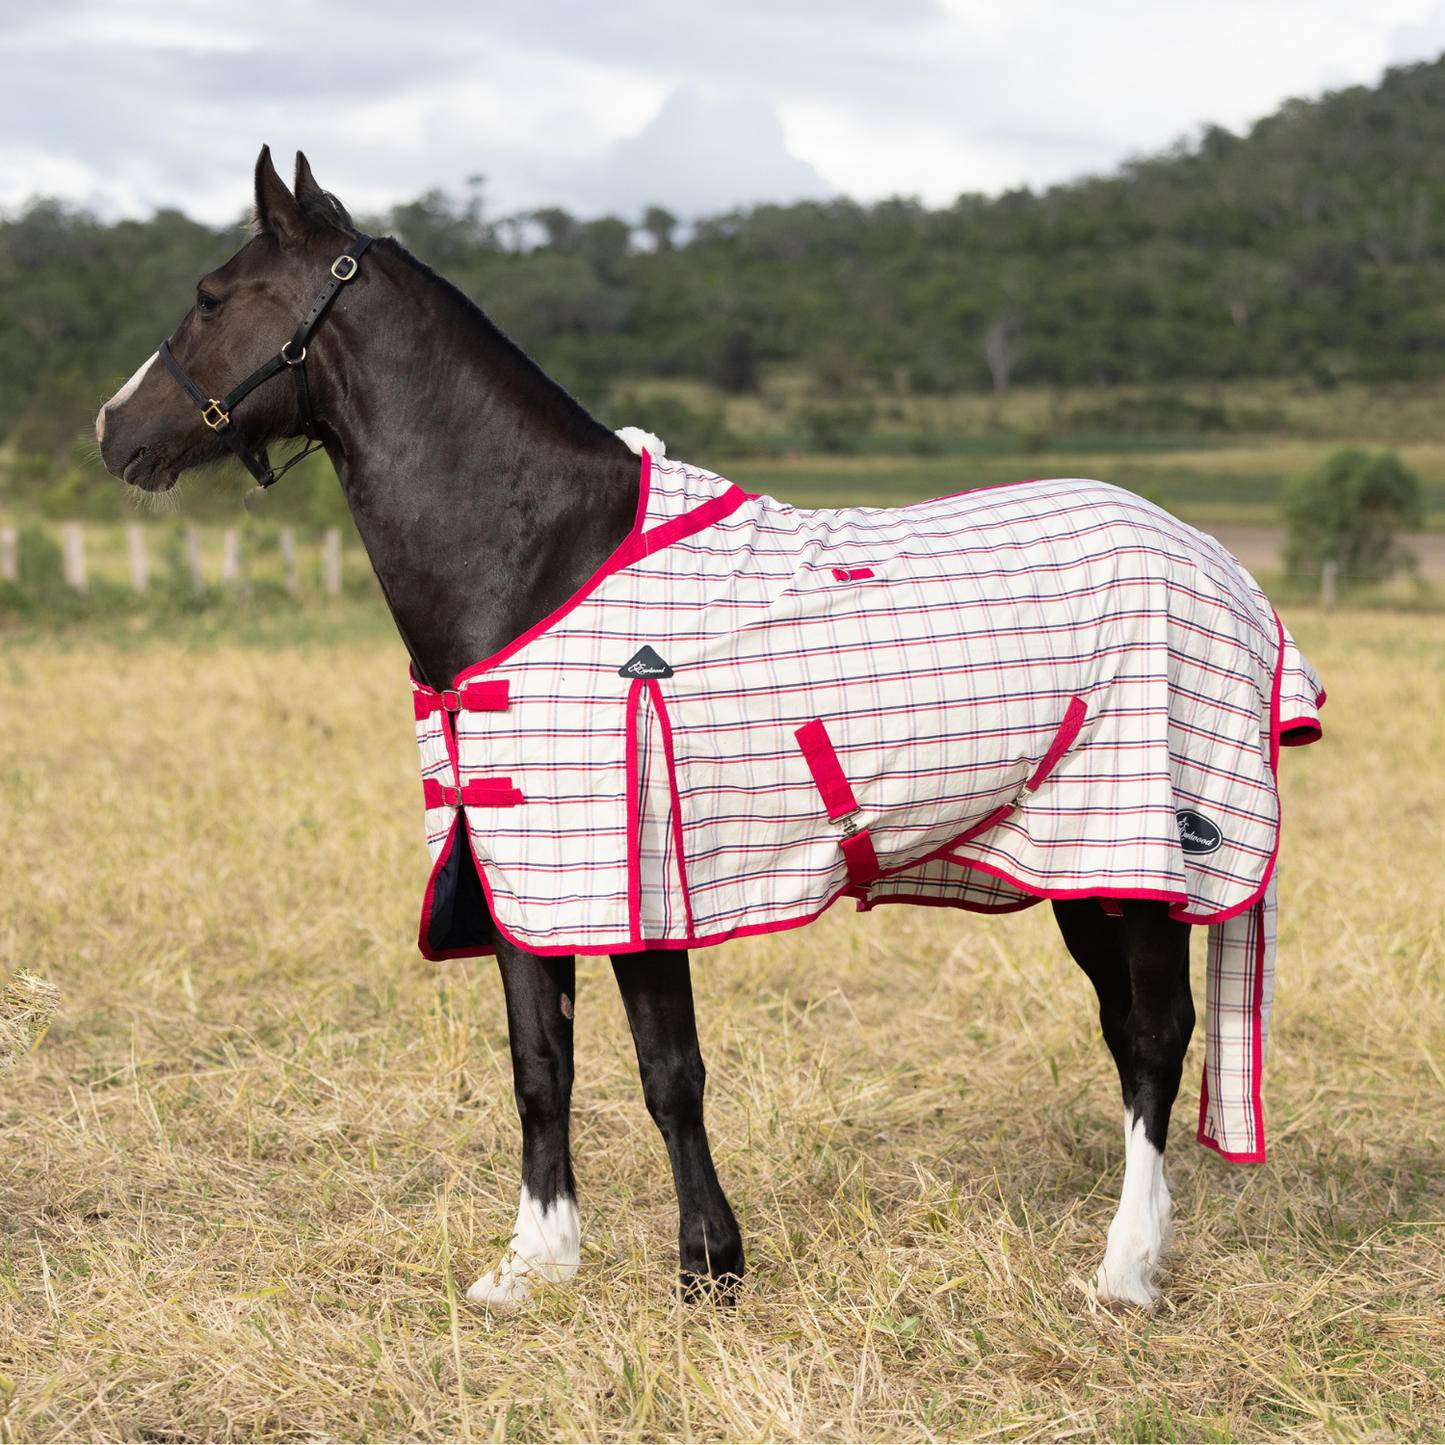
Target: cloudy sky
{"x": 128, "y": 105}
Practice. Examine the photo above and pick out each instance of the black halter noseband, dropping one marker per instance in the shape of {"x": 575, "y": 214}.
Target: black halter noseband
{"x": 217, "y": 414}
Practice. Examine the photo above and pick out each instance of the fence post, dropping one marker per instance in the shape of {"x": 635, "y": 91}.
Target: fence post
{"x": 140, "y": 572}
{"x": 193, "y": 558}
{"x": 1329, "y": 575}
{"x": 231, "y": 556}
{"x": 9, "y": 555}
{"x": 75, "y": 558}
{"x": 287, "y": 541}
{"x": 331, "y": 561}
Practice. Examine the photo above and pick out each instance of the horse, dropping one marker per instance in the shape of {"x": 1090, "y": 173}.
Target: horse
{"x": 490, "y": 501}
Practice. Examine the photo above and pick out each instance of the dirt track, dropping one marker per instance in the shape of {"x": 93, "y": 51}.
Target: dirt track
{"x": 1259, "y": 548}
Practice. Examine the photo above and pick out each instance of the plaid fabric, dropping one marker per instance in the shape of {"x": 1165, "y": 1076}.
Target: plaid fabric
{"x": 1051, "y": 689}
{"x": 1239, "y": 993}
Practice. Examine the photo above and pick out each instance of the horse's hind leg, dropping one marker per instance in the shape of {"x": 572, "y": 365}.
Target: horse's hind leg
{"x": 657, "y": 992}
{"x": 1139, "y": 966}
{"x": 547, "y": 1240}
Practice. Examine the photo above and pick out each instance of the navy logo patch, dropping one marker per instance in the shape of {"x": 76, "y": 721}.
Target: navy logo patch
{"x": 644, "y": 663}
{"x": 1196, "y": 833}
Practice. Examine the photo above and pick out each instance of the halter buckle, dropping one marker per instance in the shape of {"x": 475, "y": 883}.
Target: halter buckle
{"x": 355, "y": 266}
{"x": 221, "y": 418}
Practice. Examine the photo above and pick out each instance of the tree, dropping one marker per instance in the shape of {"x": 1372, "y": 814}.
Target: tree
{"x": 1003, "y": 347}
{"x": 738, "y": 371}
{"x": 660, "y": 225}
{"x": 561, "y": 227}
{"x": 1343, "y": 516}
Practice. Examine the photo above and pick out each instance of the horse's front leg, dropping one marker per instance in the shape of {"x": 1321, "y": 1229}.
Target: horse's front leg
{"x": 1139, "y": 966}
{"x": 657, "y": 992}
{"x": 547, "y": 1240}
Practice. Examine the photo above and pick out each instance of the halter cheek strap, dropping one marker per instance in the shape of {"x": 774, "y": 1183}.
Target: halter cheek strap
{"x": 217, "y": 414}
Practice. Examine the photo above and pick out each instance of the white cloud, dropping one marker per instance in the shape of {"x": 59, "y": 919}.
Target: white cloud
{"x": 130, "y": 104}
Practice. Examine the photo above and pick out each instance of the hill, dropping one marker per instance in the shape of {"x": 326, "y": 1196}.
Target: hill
{"x": 1311, "y": 248}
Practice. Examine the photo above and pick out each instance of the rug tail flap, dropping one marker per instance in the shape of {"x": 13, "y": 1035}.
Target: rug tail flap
{"x": 1239, "y": 994}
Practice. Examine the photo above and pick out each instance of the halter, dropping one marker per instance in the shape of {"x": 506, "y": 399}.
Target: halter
{"x": 217, "y": 414}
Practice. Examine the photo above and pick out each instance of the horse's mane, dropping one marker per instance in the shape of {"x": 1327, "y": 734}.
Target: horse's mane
{"x": 539, "y": 390}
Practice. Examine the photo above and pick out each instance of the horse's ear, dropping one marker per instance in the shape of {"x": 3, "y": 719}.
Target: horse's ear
{"x": 320, "y": 206}
{"x": 276, "y": 208}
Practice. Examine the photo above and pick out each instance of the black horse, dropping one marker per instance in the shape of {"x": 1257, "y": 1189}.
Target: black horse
{"x": 486, "y": 496}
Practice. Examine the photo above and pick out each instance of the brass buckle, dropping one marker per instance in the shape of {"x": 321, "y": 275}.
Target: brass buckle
{"x": 355, "y": 267}
{"x": 222, "y": 418}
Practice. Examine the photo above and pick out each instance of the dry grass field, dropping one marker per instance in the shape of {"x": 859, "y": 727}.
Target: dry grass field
{"x": 263, "y": 1145}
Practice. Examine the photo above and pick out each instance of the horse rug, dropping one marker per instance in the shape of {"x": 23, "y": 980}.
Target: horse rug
{"x": 1052, "y": 689}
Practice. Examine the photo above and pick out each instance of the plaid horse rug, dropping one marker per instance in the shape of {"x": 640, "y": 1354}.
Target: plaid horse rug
{"x": 1047, "y": 690}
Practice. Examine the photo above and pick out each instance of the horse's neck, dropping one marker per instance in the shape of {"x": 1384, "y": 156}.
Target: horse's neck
{"x": 485, "y": 495}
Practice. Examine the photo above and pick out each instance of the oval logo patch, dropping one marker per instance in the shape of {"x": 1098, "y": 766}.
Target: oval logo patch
{"x": 1196, "y": 833}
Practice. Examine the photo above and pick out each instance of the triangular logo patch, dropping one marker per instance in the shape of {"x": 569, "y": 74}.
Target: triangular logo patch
{"x": 644, "y": 663}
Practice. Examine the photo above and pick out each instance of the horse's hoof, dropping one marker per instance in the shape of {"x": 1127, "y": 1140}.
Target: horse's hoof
{"x": 502, "y": 1290}
{"x": 1126, "y": 1285}
{"x": 697, "y": 1289}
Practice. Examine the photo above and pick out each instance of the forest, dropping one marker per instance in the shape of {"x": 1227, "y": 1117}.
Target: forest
{"x": 1311, "y": 248}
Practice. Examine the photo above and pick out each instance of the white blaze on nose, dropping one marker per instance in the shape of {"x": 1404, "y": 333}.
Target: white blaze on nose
{"x": 124, "y": 394}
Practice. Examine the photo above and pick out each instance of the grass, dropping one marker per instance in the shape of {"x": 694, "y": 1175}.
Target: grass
{"x": 265, "y": 1144}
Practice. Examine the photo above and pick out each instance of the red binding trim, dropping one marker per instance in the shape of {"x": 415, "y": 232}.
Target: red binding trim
{"x": 655, "y": 692}
{"x": 1299, "y": 732}
{"x": 1078, "y": 710}
{"x": 637, "y": 545}
{"x": 827, "y": 772}
{"x": 475, "y": 793}
{"x": 458, "y": 837}
{"x": 634, "y": 818}
{"x": 852, "y": 574}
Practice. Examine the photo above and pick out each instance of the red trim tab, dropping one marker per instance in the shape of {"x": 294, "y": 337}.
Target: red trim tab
{"x": 1078, "y": 710}
{"x": 852, "y": 574}
{"x": 488, "y": 696}
{"x": 827, "y": 772}
{"x": 475, "y": 793}
{"x": 862, "y": 861}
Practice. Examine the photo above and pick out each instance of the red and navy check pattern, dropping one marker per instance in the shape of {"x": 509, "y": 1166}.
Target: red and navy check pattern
{"x": 942, "y": 678}
{"x": 1062, "y": 634}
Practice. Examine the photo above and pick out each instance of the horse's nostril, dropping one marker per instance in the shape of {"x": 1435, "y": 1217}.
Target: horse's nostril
{"x": 130, "y": 465}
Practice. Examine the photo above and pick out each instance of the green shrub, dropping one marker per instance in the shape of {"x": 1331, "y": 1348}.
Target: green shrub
{"x": 1347, "y": 511}
{"x": 837, "y": 428}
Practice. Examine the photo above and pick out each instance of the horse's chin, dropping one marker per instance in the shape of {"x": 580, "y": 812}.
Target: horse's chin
{"x": 150, "y": 475}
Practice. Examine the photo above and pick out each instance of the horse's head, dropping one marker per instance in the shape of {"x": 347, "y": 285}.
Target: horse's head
{"x": 150, "y": 431}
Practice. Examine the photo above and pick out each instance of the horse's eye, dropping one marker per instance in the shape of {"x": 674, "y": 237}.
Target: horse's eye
{"x": 206, "y": 303}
